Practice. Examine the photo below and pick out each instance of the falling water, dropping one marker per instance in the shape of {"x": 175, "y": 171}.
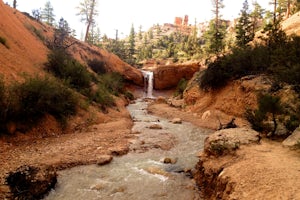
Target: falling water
{"x": 148, "y": 83}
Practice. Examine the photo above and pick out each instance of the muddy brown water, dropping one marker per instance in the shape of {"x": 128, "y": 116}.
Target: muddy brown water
{"x": 142, "y": 173}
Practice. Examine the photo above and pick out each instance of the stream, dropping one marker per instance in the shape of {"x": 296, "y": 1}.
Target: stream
{"x": 157, "y": 166}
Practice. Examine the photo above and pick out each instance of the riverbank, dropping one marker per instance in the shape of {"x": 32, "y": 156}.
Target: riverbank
{"x": 88, "y": 145}
{"x": 264, "y": 170}
{"x": 255, "y": 170}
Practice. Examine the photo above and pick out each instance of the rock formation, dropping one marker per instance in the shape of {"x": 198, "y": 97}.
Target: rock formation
{"x": 168, "y": 76}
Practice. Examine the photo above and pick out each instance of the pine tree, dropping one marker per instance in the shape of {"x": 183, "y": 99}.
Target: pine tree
{"x": 257, "y": 16}
{"x": 140, "y": 35}
{"x": 244, "y": 30}
{"x": 47, "y": 14}
{"x": 216, "y": 43}
{"x": 94, "y": 35}
{"x": 131, "y": 48}
{"x": 88, "y": 11}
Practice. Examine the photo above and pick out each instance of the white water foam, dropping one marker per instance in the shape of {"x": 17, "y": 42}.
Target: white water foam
{"x": 148, "y": 83}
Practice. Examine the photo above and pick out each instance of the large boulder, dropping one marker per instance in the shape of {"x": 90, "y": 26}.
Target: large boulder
{"x": 29, "y": 182}
{"x": 228, "y": 140}
{"x": 293, "y": 140}
{"x": 168, "y": 76}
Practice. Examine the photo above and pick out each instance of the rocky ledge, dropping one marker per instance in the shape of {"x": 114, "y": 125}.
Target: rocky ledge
{"x": 217, "y": 146}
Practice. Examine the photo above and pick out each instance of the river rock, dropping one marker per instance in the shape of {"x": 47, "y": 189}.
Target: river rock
{"x": 157, "y": 170}
{"x": 174, "y": 168}
{"x": 177, "y": 103}
{"x": 160, "y": 100}
{"x": 169, "y": 160}
{"x": 228, "y": 140}
{"x": 176, "y": 121}
{"x": 293, "y": 140}
{"x": 104, "y": 159}
{"x": 119, "y": 151}
{"x": 155, "y": 126}
{"x": 29, "y": 182}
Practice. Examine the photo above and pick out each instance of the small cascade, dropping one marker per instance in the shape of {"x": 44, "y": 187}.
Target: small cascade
{"x": 148, "y": 83}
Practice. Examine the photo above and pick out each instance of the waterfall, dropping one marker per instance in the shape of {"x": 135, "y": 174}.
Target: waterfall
{"x": 148, "y": 83}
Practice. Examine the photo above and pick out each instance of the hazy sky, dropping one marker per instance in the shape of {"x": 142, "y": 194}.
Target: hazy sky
{"x": 121, "y": 14}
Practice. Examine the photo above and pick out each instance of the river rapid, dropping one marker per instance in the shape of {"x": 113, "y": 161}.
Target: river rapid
{"x": 157, "y": 166}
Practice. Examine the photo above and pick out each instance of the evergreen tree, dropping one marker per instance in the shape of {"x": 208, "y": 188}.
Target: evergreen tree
{"x": 256, "y": 16}
{"x": 88, "y": 12}
{"x": 287, "y": 7}
{"x": 158, "y": 30}
{"x": 215, "y": 34}
{"x": 214, "y": 38}
{"x": 150, "y": 33}
{"x": 131, "y": 49}
{"x": 244, "y": 30}
{"x": 275, "y": 4}
{"x": 140, "y": 35}
{"x": 94, "y": 35}
{"x": 47, "y": 14}
{"x": 61, "y": 33}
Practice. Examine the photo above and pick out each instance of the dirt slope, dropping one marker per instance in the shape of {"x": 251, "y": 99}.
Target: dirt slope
{"x": 27, "y": 52}
{"x": 292, "y": 24}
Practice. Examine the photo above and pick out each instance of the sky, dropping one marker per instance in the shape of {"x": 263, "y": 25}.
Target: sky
{"x": 122, "y": 14}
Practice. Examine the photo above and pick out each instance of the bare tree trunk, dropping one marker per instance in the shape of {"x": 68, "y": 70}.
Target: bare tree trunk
{"x": 87, "y": 31}
{"x": 15, "y": 4}
{"x": 275, "y": 8}
{"x": 90, "y": 20}
{"x": 288, "y": 9}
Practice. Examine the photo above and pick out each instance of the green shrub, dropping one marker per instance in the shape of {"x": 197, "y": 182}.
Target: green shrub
{"x": 238, "y": 63}
{"x": 292, "y": 123}
{"x": 102, "y": 96}
{"x": 68, "y": 69}
{"x": 3, "y": 41}
{"x": 129, "y": 95}
{"x": 97, "y": 66}
{"x": 39, "y": 96}
{"x": 181, "y": 86}
{"x": 27, "y": 102}
{"x": 36, "y": 31}
{"x": 114, "y": 82}
{"x": 267, "y": 104}
{"x": 280, "y": 60}
{"x": 3, "y": 103}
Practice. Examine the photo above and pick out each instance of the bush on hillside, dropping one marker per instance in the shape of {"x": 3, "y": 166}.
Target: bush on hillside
{"x": 97, "y": 66}
{"x": 3, "y": 103}
{"x": 102, "y": 97}
{"x": 29, "y": 101}
{"x": 114, "y": 82}
{"x": 268, "y": 106}
{"x": 279, "y": 58}
{"x": 238, "y": 63}
{"x": 39, "y": 96}
{"x": 69, "y": 70}
{"x": 3, "y": 41}
{"x": 181, "y": 86}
